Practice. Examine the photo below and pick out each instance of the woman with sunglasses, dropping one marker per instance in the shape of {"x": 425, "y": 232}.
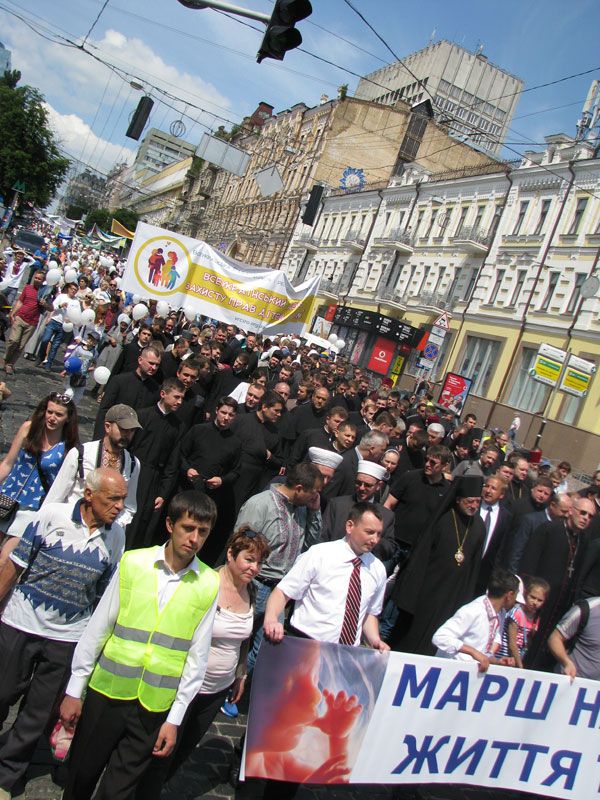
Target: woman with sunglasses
{"x": 226, "y": 671}
{"x": 33, "y": 461}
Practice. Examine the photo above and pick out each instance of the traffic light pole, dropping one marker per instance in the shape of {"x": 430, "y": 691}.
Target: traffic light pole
{"x": 219, "y": 6}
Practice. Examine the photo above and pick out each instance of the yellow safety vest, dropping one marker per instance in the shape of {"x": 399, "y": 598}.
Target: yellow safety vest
{"x": 145, "y": 654}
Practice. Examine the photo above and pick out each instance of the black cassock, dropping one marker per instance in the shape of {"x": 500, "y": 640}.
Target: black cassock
{"x": 557, "y": 556}
{"x": 256, "y": 472}
{"x": 434, "y": 586}
{"x": 156, "y": 446}
{"x": 129, "y": 389}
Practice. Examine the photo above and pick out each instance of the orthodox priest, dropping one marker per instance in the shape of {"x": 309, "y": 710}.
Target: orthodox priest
{"x": 555, "y": 551}
{"x": 442, "y": 569}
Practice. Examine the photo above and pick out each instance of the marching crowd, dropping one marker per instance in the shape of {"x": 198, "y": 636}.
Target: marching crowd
{"x": 318, "y": 504}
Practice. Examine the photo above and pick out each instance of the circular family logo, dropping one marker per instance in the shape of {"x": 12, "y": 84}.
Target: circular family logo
{"x": 161, "y": 265}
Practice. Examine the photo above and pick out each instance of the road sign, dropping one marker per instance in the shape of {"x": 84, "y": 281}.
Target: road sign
{"x": 19, "y": 187}
{"x": 548, "y": 364}
{"x": 442, "y": 322}
{"x": 431, "y": 351}
{"x": 577, "y": 376}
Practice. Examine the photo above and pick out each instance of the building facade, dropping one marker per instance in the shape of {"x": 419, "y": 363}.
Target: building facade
{"x": 474, "y": 97}
{"x": 503, "y": 253}
{"x": 160, "y": 149}
{"x": 344, "y": 144}
{"x": 4, "y": 59}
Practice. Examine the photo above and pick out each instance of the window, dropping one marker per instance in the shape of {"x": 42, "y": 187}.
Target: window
{"x": 470, "y": 285}
{"x": 577, "y": 217}
{"x": 444, "y": 222}
{"x": 478, "y": 362}
{"x": 576, "y": 293}
{"x": 543, "y": 214}
{"x": 522, "y": 211}
{"x": 434, "y": 215}
{"x": 394, "y": 273}
{"x": 527, "y": 394}
{"x": 521, "y": 275}
{"x": 412, "y": 138}
{"x": 454, "y": 284}
{"x": 479, "y": 217}
{"x": 499, "y": 278}
{"x": 495, "y": 220}
{"x": 419, "y": 221}
{"x": 463, "y": 215}
{"x": 552, "y": 284}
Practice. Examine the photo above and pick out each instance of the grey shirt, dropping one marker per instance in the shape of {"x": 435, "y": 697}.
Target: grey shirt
{"x": 586, "y": 653}
{"x": 289, "y": 529}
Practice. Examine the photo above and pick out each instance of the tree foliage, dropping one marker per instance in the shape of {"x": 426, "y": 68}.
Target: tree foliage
{"x": 102, "y": 217}
{"x": 28, "y": 147}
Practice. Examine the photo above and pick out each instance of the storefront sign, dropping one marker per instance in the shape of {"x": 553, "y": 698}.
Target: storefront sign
{"x": 455, "y": 391}
{"x": 381, "y": 355}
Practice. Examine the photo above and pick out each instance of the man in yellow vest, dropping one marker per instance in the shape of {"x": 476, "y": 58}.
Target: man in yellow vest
{"x": 142, "y": 657}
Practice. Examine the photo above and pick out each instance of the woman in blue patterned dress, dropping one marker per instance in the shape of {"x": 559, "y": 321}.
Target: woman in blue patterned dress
{"x": 39, "y": 446}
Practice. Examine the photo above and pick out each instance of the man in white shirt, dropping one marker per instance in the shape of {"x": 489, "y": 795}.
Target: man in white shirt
{"x": 53, "y": 332}
{"x": 63, "y": 563}
{"x": 120, "y": 425}
{"x": 131, "y": 669}
{"x": 475, "y": 631}
{"x": 338, "y": 587}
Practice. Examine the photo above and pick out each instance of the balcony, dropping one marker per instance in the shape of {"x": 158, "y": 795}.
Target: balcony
{"x": 474, "y": 240}
{"x": 329, "y": 287}
{"x": 391, "y": 297}
{"x": 402, "y": 241}
{"x": 434, "y": 300}
{"x": 354, "y": 240}
{"x": 307, "y": 240}
{"x": 523, "y": 240}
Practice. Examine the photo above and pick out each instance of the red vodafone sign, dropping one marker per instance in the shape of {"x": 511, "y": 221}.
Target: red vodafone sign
{"x": 381, "y": 355}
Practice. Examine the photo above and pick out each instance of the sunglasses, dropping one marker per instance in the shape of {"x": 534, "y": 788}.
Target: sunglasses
{"x": 63, "y": 399}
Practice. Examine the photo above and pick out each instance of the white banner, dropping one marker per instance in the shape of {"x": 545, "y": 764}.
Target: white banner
{"x": 323, "y": 713}
{"x": 187, "y": 272}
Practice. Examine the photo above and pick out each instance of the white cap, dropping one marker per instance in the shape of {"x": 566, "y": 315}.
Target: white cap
{"x": 326, "y": 458}
{"x": 371, "y": 468}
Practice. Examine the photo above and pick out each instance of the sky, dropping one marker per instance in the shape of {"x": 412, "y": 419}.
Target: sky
{"x": 206, "y": 61}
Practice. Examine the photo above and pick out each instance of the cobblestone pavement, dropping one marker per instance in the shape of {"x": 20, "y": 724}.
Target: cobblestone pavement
{"x": 206, "y": 773}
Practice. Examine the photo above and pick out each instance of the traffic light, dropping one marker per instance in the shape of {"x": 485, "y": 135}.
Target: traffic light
{"x": 281, "y": 35}
{"x": 140, "y": 118}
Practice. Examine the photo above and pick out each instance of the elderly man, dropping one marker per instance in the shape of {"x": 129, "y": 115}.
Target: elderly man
{"x": 436, "y": 433}
{"x": 369, "y": 479}
{"x": 370, "y": 448}
{"x": 61, "y": 566}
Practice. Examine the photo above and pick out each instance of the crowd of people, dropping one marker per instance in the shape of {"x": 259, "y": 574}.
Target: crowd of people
{"x": 238, "y": 487}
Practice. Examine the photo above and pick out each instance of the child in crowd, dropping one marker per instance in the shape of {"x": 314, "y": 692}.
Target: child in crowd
{"x": 474, "y": 632}
{"x": 86, "y": 352}
{"x": 522, "y": 620}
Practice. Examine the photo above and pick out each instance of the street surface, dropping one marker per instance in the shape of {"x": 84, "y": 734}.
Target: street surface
{"x": 207, "y": 772}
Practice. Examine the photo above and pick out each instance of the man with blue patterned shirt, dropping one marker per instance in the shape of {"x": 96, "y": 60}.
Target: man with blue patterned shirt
{"x": 61, "y": 566}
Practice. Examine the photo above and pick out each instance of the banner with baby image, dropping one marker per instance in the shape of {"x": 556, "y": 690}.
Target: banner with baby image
{"x": 326, "y": 713}
{"x": 189, "y": 273}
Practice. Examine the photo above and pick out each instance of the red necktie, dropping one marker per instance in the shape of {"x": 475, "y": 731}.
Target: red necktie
{"x": 351, "y": 612}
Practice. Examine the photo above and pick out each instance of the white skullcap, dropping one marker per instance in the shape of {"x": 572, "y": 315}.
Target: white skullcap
{"x": 326, "y": 458}
{"x": 371, "y": 468}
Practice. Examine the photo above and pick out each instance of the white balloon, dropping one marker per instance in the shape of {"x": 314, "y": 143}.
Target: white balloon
{"x": 74, "y": 313}
{"x": 71, "y": 276}
{"x": 189, "y": 313}
{"x": 101, "y": 375}
{"x": 340, "y": 344}
{"x": 332, "y": 338}
{"x": 74, "y": 265}
{"x": 118, "y": 281}
{"x": 123, "y": 318}
{"x": 162, "y": 308}
{"x": 139, "y": 311}
{"x": 53, "y": 277}
{"x": 52, "y": 264}
{"x": 105, "y": 262}
{"x": 67, "y": 327}
{"x": 88, "y": 316}
{"x": 136, "y": 299}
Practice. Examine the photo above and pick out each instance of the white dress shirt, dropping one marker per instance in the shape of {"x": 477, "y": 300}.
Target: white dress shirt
{"x": 68, "y": 487}
{"x": 319, "y": 581}
{"x": 103, "y": 621}
{"x": 494, "y": 512}
{"x": 477, "y": 625}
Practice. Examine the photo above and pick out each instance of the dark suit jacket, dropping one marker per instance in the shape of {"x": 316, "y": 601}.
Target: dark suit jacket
{"x": 344, "y": 477}
{"x": 334, "y": 525}
{"x": 497, "y": 549}
{"x": 520, "y": 534}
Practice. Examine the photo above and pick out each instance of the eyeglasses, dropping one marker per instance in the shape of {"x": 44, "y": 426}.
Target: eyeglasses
{"x": 365, "y": 484}
{"x": 63, "y": 399}
{"x": 433, "y": 461}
